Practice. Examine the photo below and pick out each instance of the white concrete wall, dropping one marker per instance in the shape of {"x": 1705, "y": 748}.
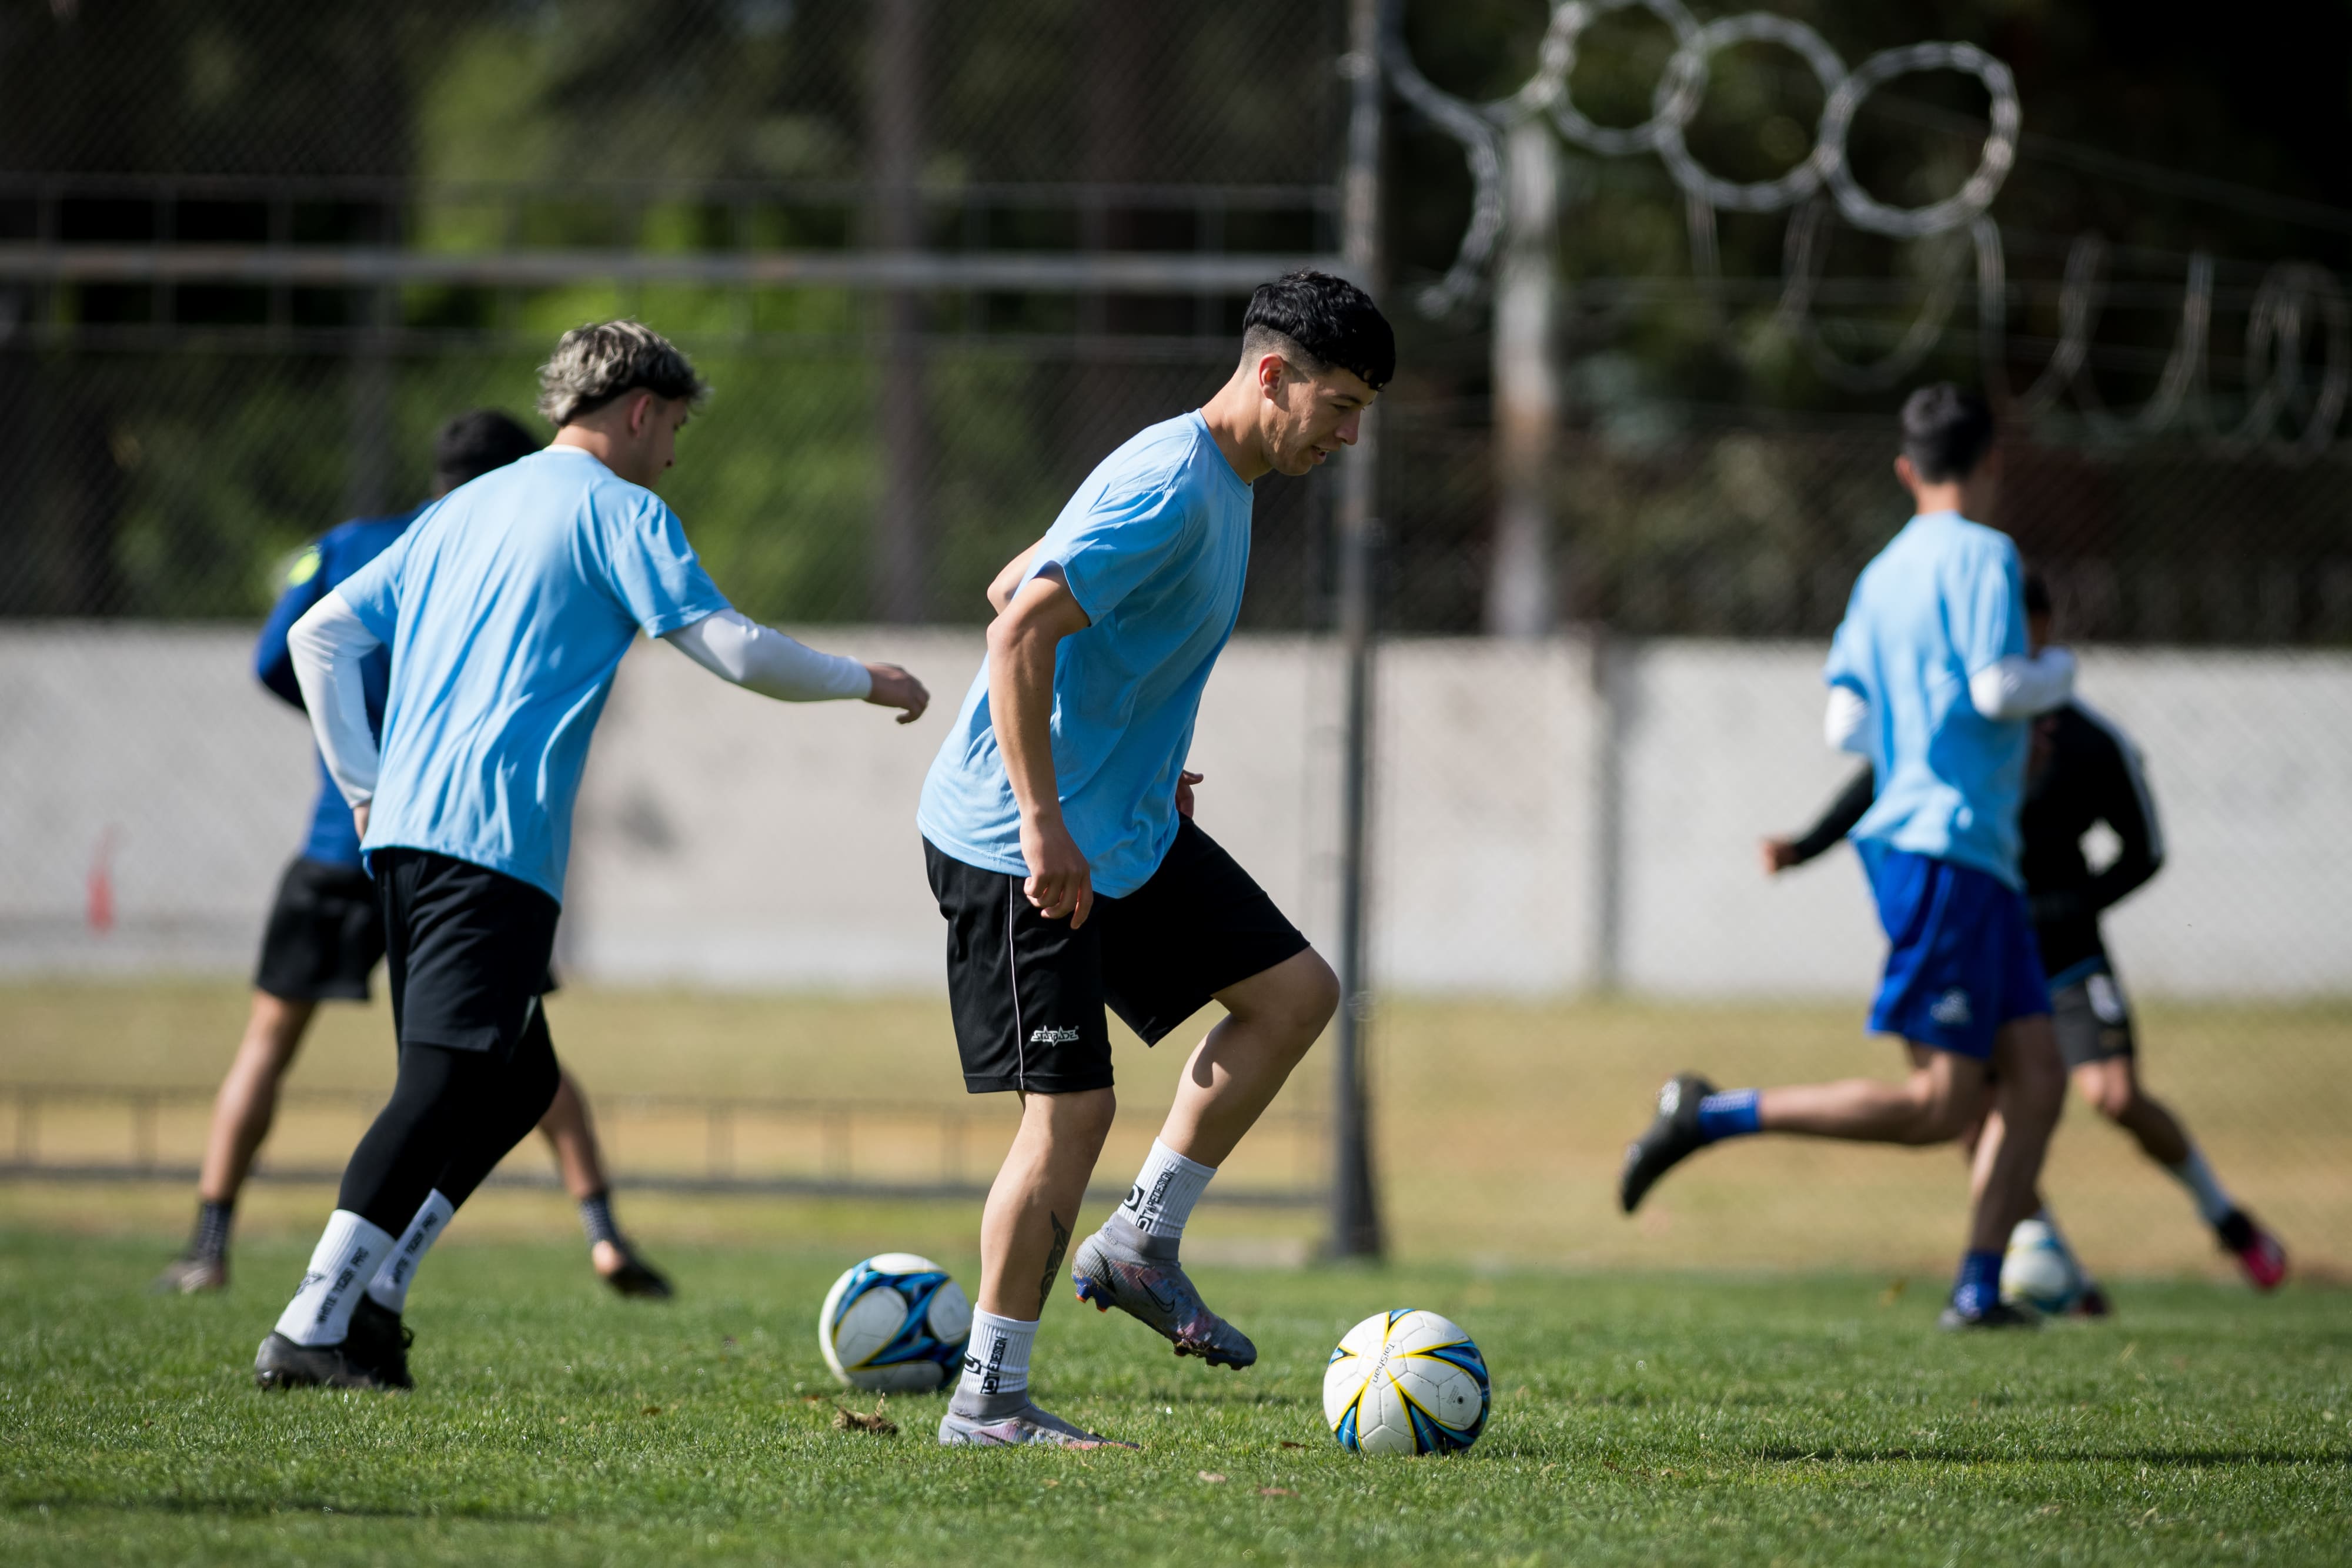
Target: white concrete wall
{"x": 724, "y": 840}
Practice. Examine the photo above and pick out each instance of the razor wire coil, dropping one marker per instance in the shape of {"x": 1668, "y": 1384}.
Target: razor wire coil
{"x": 2299, "y": 307}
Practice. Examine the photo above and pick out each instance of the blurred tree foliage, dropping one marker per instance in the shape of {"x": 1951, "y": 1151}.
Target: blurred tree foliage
{"x": 164, "y": 471}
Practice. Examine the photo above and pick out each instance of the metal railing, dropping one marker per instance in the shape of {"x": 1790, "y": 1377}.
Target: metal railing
{"x": 698, "y": 1144}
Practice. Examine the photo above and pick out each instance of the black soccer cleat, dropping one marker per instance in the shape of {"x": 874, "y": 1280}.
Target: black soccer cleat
{"x": 2000, "y": 1315}
{"x": 638, "y": 1278}
{"x": 281, "y": 1363}
{"x": 2093, "y": 1303}
{"x": 379, "y": 1342}
{"x": 1671, "y": 1139}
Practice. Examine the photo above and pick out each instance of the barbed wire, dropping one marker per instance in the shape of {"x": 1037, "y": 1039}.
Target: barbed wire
{"x": 2299, "y": 307}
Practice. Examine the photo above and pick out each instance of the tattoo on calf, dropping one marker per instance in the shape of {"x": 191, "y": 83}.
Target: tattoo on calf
{"x": 1053, "y": 1261}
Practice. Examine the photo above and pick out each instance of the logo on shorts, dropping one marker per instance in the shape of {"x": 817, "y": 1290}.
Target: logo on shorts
{"x": 1951, "y": 1009}
{"x": 1053, "y": 1037}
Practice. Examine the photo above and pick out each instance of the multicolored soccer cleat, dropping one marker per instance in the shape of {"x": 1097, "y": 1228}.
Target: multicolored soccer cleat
{"x": 1017, "y": 1428}
{"x": 1112, "y": 1270}
{"x": 2259, "y": 1253}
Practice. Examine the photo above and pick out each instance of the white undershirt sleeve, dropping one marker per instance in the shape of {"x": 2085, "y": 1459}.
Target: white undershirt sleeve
{"x": 327, "y": 645}
{"x": 762, "y": 659}
{"x": 1842, "y": 725}
{"x": 2018, "y": 688}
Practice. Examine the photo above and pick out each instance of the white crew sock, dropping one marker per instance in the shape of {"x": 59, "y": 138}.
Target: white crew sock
{"x": 996, "y": 1362}
{"x": 390, "y": 1285}
{"x": 1162, "y": 1197}
{"x": 2198, "y": 1177}
{"x": 349, "y": 1253}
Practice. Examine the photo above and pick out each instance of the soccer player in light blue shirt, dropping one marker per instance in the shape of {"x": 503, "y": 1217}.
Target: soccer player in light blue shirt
{"x": 1058, "y": 832}
{"x": 508, "y": 606}
{"x": 1931, "y": 679}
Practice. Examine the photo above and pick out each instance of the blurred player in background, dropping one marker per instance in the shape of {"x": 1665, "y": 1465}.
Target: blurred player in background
{"x": 507, "y": 608}
{"x": 1930, "y": 678}
{"x": 2083, "y": 771}
{"x": 1058, "y": 826}
{"x": 325, "y": 935}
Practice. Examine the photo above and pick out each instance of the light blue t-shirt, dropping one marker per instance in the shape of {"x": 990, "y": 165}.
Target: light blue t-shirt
{"x": 1154, "y": 546}
{"x": 508, "y": 605}
{"x": 1943, "y": 601}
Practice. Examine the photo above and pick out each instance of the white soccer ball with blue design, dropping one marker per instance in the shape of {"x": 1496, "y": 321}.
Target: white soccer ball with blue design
{"x": 2039, "y": 1270}
{"x": 1406, "y": 1382}
{"x": 895, "y": 1323}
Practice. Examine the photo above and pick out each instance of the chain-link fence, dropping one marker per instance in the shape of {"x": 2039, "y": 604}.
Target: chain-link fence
{"x": 939, "y": 259}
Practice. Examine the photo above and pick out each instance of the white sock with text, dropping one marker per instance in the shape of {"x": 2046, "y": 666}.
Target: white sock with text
{"x": 1162, "y": 1197}
{"x": 350, "y": 1251}
{"x": 390, "y": 1285}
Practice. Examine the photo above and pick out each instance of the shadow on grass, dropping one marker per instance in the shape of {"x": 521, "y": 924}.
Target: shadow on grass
{"x": 2186, "y": 1459}
{"x": 261, "y": 1508}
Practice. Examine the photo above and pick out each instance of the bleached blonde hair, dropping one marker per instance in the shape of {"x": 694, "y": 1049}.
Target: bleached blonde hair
{"x": 594, "y": 364}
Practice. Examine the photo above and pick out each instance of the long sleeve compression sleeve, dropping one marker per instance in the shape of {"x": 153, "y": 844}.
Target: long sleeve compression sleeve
{"x": 326, "y": 646}
{"x": 1838, "y": 820}
{"x": 762, "y": 659}
{"x": 2016, "y": 687}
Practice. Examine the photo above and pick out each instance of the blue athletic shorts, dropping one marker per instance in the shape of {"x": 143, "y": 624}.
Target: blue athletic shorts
{"x": 1961, "y": 959}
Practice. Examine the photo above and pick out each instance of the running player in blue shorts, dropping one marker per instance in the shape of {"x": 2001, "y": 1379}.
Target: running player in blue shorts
{"x": 2085, "y": 770}
{"x": 1930, "y": 678}
{"x": 325, "y": 936}
{"x": 1057, "y": 827}
{"x": 507, "y": 608}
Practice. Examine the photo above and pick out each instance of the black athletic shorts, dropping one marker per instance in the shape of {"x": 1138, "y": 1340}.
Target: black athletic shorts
{"x": 1028, "y": 993}
{"x": 325, "y": 935}
{"x": 2091, "y": 1014}
{"x": 468, "y": 950}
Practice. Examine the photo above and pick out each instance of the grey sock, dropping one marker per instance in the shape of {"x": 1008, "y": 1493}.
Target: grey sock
{"x": 211, "y": 1238}
{"x": 596, "y": 1218}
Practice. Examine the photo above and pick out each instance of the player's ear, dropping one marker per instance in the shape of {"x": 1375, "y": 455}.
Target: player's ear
{"x": 1270, "y": 371}
{"x": 1906, "y": 474}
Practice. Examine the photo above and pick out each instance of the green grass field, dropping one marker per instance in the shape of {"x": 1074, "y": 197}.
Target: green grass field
{"x": 1719, "y": 1420}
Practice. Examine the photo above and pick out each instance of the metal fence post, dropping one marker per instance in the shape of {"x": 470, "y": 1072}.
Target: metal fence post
{"x": 1354, "y": 1204}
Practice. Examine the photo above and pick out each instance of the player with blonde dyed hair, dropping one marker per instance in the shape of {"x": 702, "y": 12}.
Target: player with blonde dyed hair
{"x": 507, "y": 607}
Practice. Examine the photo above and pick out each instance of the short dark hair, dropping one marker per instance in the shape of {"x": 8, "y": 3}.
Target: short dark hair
{"x": 2037, "y": 594}
{"x": 1946, "y": 432}
{"x": 477, "y": 441}
{"x": 1325, "y": 321}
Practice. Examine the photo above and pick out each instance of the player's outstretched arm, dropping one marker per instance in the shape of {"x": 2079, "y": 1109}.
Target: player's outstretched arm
{"x": 1836, "y": 822}
{"x": 763, "y": 659}
{"x": 326, "y": 646}
{"x": 2018, "y": 688}
{"x": 1022, "y": 643}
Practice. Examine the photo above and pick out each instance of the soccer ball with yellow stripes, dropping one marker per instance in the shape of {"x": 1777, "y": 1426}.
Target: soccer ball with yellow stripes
{"x": 1406, "y": 1382}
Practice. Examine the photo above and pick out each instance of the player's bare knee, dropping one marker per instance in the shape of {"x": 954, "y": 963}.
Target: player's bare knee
{"x": 1314, "y": 997}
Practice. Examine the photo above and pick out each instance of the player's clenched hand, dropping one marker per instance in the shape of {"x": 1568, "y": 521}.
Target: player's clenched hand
{"x": 894, "y": 687}
{"x": 1778, "y": 855}
{"x": 1060, "y": 886}
{"x": 1184, "y": 782}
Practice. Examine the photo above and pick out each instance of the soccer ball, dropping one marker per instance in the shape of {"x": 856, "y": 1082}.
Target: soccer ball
{"x": 2039, "y": 1270}
{"x": 895, "y": 1322}
{"x": 1405, "y": 1382}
